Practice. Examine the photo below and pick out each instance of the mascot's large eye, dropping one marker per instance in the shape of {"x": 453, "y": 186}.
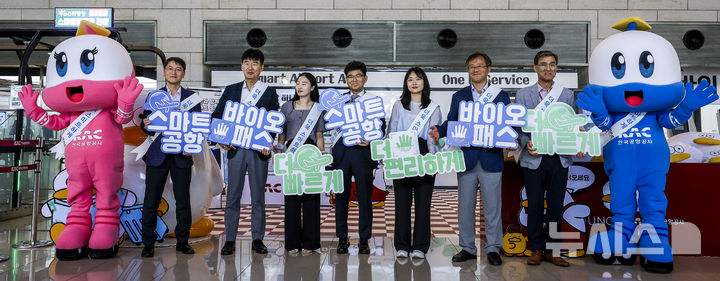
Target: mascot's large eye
{"x": 61, "y": 63}
{"x": 87, "y": 60}
{"x": 617, "y": 65}
{"x": 647, "y": 64}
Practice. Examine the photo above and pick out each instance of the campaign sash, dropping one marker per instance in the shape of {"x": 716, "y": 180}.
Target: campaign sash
{"x": 75, "y": 129}
{"x": 621, "y": 127}
{"x": 422, "y": 118}
{"x": 306, "y": 128}
{"x": 255, "y": 94}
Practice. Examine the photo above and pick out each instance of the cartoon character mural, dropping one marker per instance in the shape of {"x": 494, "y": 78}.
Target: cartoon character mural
{"x": 695, "y": 147}
{"x": 635, "y": 90}
{"x": 57, "y": 208}
{"x": 574, "y": 214}
{"x": 91, "y": 83}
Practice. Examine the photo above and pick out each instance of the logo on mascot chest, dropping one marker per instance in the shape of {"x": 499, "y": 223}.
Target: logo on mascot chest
{"x": 88, "y": 138}
{"x": 636, "y": 136}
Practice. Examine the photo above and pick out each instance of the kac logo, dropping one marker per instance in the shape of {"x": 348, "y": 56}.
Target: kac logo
{"x": 637, "y": 133}
{"x": 90, "y": 135}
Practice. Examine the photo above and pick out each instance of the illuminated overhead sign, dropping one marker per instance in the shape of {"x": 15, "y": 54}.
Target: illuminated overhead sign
{"x": 71, "y": 17}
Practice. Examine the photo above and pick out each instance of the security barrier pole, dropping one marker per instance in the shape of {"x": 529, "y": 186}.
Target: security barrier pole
{"x": 34, "y": 243}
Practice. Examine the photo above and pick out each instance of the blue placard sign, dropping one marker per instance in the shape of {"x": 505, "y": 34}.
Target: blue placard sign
{"x": 182, "y": 131}
{"x": 486, "y": 125}
{"x": 359, "y": 120}
{"x": 247, "y": 126}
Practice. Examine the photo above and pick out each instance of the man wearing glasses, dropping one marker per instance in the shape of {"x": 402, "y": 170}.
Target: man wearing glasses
{"x": 159, "y": 164}
{"x": 483, "y": 166}
{"x": 355, "y": 161}
{"x": 240, "y": 160}
{"x": 544, "y": 173}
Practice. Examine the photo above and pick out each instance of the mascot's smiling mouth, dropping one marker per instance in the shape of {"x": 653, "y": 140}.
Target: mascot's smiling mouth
{"x": 75, "y": 94}
{"x": 634, "y": 98}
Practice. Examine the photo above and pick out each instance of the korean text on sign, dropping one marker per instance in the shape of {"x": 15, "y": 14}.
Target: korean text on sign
{"x": 486, "y": 125}
{"x": 246, "y": 126}
{"x": 418, "y": 165}
{"x": 557, "y": 131}
{"x": 358, "y": 120}
{"x": 303, "y": 172}
{"x": 182, "y": 131}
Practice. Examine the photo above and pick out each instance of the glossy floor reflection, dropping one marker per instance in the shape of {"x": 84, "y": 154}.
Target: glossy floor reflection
{"x": 208, "y": 264}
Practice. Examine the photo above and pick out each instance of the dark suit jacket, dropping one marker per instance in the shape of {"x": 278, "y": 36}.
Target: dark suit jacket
{"x": 338, "y": 150}
{"x": 154, "y": 156}
{"x": 269, "y": 100}
{"x": 491, "y": 159}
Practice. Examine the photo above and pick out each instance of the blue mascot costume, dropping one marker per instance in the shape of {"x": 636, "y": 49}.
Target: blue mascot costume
{"x": 635, "y": 88}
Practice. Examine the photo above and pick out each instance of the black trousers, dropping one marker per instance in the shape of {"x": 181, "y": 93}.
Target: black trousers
{"x": 549, "y": 177}
{"x": 302, "y": 231}
{"x": 355, "y": 163}
{"x": 421, "y": 188}
{"x": 154, "y": 184}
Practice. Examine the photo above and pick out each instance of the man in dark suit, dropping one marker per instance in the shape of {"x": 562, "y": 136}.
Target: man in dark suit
{"x": 483, "y": 166}
{"x": 355, "y": 160}
{"x": 159, "y": 164}
{"x": 241, "y": 160}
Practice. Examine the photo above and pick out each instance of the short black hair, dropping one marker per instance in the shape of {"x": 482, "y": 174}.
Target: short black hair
{"x": 177, "y": 60}
{"x": 253, "y": 54}
{"x": 356, "y": 65}
{"x": 544, "y": 53}
{"x": 475, "y": 55}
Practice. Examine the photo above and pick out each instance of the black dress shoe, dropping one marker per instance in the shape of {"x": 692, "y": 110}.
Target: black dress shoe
{"x": 343, "y": 246}
{"x": 148, "y": 252}
{"x": 364, "y": 248}
{"x": 463, "y": 256}
{"x": 259, "y": 247}
{"x": 494, "y": 258}
{"x": 184, "y": 248}
{"x": 228, "y": 248}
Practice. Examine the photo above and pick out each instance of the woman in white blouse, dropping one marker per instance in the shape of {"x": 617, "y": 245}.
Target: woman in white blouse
{"x": 415, "y": 98}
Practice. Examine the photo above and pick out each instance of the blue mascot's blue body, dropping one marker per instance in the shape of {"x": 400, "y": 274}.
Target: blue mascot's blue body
{"x": 637, "y": 74}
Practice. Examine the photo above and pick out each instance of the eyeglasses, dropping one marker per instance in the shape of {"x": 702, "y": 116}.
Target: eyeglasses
{"x": 473, "y": 67}
{"x": 353, "y": 77}
{"x": 176, "y": 69}
{"x": 249, "y": 63}
{"x": 547, "y": 65}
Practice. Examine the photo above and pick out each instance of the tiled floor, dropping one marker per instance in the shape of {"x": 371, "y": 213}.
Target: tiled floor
{"x": 208, "y": 264}
{"x": 443, "y": 218}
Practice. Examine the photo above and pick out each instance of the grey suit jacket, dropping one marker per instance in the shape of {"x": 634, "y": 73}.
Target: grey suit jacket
{"x": 528, "y": 97}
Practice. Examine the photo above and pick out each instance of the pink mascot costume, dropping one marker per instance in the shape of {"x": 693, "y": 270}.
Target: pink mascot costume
{"x": 91, "y": 83}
